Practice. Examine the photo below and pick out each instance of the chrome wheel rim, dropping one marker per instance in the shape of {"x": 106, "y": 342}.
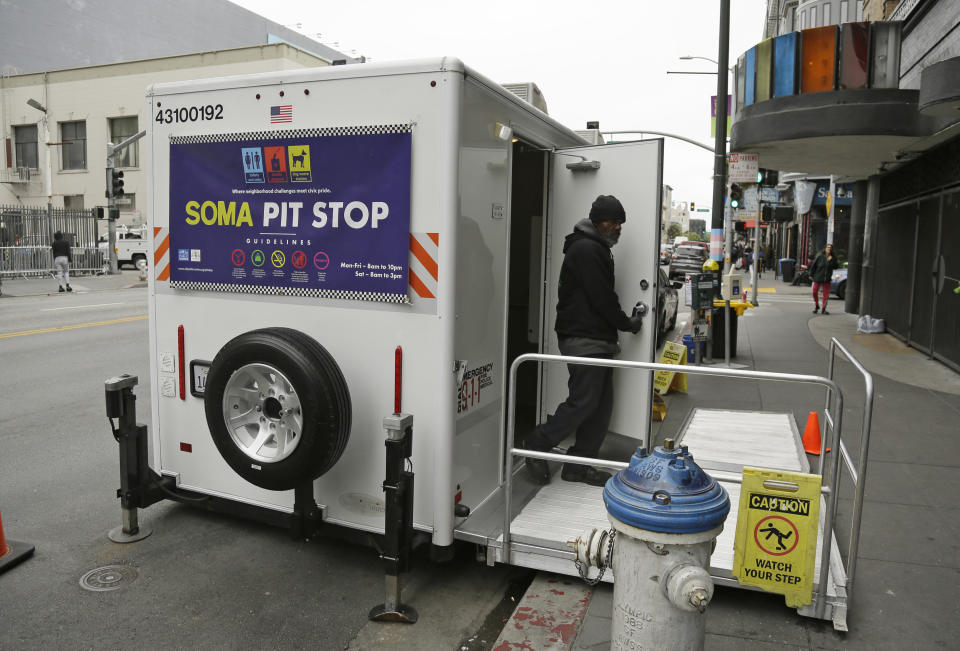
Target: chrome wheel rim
{"x": 261, "y": 410}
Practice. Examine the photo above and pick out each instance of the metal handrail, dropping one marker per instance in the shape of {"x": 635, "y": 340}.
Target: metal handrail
{"x": 828, "y": 383}
{"x": 859, "y": 475}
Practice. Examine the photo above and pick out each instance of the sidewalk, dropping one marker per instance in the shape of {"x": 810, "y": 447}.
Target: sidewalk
{"x": 16, "y": 287}
{"x": 909, "y": 558}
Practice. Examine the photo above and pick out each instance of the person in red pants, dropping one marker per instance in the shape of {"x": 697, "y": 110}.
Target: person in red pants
{"x": 820, "y": 272}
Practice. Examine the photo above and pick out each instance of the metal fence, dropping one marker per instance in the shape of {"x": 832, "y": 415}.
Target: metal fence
{"x": 26, "y": 233}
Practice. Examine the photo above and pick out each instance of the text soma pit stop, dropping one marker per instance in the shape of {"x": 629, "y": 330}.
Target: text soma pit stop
{"x": 286, "y": 214}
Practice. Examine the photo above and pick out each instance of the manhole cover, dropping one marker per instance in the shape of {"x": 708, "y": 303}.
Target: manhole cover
{"x": 109, "y": 577}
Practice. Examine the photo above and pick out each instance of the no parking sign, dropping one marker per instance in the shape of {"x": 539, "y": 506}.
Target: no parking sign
{"x": 777, "y": 527}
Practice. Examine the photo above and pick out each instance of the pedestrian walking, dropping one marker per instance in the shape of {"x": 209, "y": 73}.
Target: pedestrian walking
{"x": 588, "y": 320}
{"x": 760, "y": 258}
{"x": 61, "y": 261}
{"x": 820, "y": 272}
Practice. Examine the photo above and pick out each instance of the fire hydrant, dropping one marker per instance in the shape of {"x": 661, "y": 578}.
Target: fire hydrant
{"x": 666, "y": 514}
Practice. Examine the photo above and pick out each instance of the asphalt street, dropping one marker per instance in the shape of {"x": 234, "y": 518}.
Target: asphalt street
{"x": 200, "y": 580}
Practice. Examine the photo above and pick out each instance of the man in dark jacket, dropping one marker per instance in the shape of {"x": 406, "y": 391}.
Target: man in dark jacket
{"x": 588, "y": 320}
{"x": 62, "y": 260}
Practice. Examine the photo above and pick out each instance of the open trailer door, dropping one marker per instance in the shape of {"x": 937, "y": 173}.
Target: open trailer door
{"x": 633, "y": 173}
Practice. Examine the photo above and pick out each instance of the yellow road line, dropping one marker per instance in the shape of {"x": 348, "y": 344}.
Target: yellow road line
{"x": 92, "y": 324}
{"x": 766, "y": 290}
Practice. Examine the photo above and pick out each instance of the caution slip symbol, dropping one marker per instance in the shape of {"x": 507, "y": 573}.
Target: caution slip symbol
{"x": 773, "y": 531}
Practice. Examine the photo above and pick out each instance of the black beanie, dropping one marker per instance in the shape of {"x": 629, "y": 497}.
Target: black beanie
{"x": 607, "y": 207}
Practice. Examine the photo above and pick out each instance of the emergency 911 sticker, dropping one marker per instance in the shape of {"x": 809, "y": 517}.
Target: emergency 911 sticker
{"x": 474, "y": 389}
{"x": 323, "y": 212}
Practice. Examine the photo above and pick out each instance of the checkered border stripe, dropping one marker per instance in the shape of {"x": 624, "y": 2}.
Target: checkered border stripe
{"x": 380, "y": 297}
{"x": 293, "y": 133}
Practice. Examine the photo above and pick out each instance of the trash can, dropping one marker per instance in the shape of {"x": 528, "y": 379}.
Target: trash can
{"x": 691, "y": 348}
{"x": 787, "y": 269}
{"x": 719, "y": 330}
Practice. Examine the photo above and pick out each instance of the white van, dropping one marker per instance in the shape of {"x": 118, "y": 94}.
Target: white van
{"x": 132, "y": 245}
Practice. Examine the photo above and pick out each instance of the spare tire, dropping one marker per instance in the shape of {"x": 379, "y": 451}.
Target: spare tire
{"x": 278, "y": 407}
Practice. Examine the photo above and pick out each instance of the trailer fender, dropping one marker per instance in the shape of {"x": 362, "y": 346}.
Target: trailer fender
{"x": 277, "y": 407}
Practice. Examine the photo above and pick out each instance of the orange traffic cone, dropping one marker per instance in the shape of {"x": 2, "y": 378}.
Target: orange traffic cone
{"x": 15, "y": 552}
{"x": 811, "y": 435}
{"x": 3, "y": 541}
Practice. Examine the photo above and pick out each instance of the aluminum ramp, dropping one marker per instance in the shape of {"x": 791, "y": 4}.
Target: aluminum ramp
{"x": 721, "y": 441}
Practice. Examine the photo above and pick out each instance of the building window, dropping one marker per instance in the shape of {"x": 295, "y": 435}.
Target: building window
{"x": 826, "y": 14}
{"x": 73, "y": 138}
{"x": 120, "y": 130}
{"x": 25, "y": 146}
{"x": 73, "y": 202}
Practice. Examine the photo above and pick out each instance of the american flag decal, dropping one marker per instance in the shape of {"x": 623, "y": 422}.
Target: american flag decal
{"x": 281, "y": 114}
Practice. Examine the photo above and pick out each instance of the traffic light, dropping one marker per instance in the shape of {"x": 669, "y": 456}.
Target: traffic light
{"x": 768, "y": 178}
{"x": 736, "y": 195}
{"x": 116, "y": 184}
{"x": 693, "y": 207}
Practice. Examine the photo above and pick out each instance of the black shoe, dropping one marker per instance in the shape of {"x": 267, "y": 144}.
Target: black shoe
{"x": 69, "y": 288}
{"x": 816, "y": 309}
{"x": 590, "y": 476}
{"x": 62, "y": 289}
{"x": 824, "y": 311}
{"x": 537, "y": 469}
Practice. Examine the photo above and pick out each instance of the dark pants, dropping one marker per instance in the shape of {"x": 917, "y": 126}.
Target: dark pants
{"x": 586, "y": 411}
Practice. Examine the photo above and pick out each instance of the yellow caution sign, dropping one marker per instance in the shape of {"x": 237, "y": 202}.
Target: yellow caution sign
{"x": 776, "y": 541}
{"x": 665, "y": 381}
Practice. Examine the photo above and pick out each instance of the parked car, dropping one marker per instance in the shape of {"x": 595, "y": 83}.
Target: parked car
{"x": 666, "y": 252}
{"x": 687, "y": 258}
{"x": 838, "y": 283}
{"x": 667, "y": 305}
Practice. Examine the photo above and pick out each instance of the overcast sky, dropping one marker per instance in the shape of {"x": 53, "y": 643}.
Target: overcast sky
{"x": 600, "y": 60}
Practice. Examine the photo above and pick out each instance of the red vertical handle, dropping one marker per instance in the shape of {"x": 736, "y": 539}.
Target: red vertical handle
{"x": 180, "y": 361}
{"x": 397, "y": 378}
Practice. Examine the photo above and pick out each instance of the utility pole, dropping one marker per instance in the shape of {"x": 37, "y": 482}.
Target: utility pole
{"x": 114, "y": 191}
{"x": 48, "y": 174}
{"x": 720, "y": 141}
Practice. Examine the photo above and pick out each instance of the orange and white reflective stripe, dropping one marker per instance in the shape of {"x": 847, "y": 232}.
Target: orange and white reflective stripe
{"x": 161, "y": 252}
{"x": 424, "y": 272}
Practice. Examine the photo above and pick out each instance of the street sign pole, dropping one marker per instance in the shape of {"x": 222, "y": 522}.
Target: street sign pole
{"x": 111, "y": 206}
{"x": 756, "y": 246}
{"x": 720, "y": 140}
{"x": 112, "y": 212}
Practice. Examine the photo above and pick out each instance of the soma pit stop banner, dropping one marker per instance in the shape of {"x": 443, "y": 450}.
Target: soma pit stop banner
{"x": 307, "y": 212}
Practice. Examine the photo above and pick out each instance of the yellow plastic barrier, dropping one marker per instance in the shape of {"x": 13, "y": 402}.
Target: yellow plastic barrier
{"x": 738, "y": 306}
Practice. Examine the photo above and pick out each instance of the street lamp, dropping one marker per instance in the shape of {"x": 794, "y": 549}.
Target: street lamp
{"x": 690, "y": 57}
{"x": 48, "y": 180}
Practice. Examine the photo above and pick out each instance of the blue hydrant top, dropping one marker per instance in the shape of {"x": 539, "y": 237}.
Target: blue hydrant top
{"x": 666, "y": 492}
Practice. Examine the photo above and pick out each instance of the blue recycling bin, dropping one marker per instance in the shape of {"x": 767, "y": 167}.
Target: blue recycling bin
{"x": 691, "y": 348}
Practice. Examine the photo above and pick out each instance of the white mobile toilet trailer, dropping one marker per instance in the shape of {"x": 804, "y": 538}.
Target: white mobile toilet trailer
{"x": 312, "y": 227}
